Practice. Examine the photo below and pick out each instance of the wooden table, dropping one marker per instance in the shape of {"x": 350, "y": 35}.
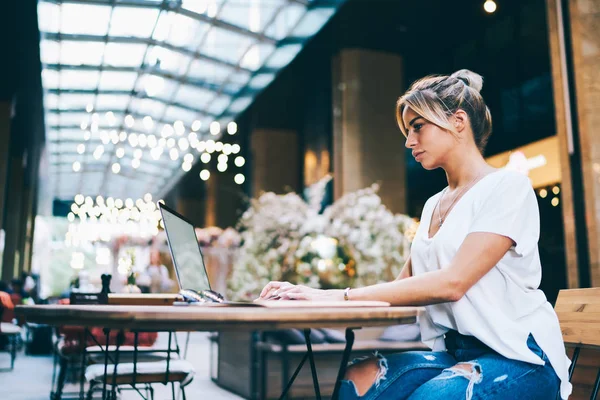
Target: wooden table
{"x": 223, "y": 318}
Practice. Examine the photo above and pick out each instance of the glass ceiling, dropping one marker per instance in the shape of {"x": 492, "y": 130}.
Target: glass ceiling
{"x": 135, "y": 90}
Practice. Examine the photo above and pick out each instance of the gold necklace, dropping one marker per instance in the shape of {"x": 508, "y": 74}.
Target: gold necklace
{"x": 439, "y": 204}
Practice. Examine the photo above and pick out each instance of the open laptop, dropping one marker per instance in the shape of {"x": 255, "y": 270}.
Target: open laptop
{"x": 190, "y": 270}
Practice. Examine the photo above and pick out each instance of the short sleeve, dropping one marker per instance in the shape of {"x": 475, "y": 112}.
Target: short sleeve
{"x": 510, "y": 209}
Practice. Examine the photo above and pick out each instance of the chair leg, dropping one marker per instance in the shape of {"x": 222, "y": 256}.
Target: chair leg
{"x": 62, "y": 374}
{"x": 13, "y": 352}
{"x": 90, "y": 391}
{"x": 183, "y": 392}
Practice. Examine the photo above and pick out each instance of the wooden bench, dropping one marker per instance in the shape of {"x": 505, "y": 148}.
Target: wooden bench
{"x": 578, "y": 312}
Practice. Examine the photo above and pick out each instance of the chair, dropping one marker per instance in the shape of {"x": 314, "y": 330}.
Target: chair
{"x": 138, "y": 368}
{"x": 9, "y": 330}
{"x": 578, "y": 313}
{"x": 13, "y": 333}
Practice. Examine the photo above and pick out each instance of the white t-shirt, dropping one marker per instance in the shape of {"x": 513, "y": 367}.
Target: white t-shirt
{"x": 504, "y": 306}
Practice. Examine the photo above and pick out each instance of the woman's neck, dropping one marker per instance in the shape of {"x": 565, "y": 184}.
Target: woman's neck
{"x": 466, "y": 168}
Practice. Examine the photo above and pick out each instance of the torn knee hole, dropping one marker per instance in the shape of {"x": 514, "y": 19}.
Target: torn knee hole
{"x": 471, "y": 371}
{"x": 468, "y": 367}
{"x": 366, "y": 372}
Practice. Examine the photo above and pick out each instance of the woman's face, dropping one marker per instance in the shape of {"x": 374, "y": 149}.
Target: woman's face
{"x": 429, "y": 143}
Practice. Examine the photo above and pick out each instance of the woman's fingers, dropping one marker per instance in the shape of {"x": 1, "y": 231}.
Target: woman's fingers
{"x": 271, "y": 287}
{"x": 295, "y": 296}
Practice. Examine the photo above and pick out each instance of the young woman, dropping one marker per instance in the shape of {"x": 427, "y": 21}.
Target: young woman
{"x": 474, "y": 265}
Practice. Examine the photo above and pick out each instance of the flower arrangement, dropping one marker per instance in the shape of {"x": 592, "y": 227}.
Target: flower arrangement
{"x": 355, "y": 241}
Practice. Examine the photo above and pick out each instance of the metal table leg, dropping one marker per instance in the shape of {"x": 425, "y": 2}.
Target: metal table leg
{"x": 344, "y": 363}
{"x": 313, "y": 369}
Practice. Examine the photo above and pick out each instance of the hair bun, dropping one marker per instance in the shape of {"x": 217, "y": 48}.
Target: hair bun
{"x": 470, "y": 78}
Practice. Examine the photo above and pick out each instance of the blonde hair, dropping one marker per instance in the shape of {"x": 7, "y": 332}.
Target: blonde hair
{"x": 437, "y": 98}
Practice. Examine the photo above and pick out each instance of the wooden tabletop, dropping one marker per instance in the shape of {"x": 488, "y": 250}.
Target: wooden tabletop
{"x": 208, "y": 318}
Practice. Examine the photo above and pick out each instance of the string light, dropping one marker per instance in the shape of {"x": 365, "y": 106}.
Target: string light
{"x": 489, "y": 6}
{"x": 215, "y": 128}
{"x": 76, "y": 166}
{"x": 196, "y": 125}
{"x": 204, "y": 174}
{"x": 543, "y": 193}
{"x": 232, "y": 128}
{"x": 179, "y": 128}
{"x": 148, "y": 123}
{"x": 167, "y": 131}
{"x": 556, "y": 190}
{"x": 239, "y": 179}
{"x": 81, "y": 148}
{"x": 116, "y": 168}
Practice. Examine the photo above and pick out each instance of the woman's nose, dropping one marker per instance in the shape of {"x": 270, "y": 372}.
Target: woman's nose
{"x": 410, "y": 141}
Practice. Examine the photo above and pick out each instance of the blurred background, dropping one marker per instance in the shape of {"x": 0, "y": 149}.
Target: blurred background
{"x": 270, "y": 125}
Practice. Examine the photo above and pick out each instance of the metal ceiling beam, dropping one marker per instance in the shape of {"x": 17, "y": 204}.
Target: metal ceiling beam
{"x": 137, "y": 95}
{"x": 202, "y": 131}
{"x": 175, "y": 6}
{"x": 101, "y": 167}
{"x": 144, "y": 41}
{"x": 199, "y": 83}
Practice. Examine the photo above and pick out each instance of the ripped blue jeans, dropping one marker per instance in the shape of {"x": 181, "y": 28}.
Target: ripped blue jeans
{"x": 418, "y": 375}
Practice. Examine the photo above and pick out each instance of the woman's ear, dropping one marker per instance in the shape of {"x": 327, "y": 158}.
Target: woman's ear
{"x": 460, "y": 120}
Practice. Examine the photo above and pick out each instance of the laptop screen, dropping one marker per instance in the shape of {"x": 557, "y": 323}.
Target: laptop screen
{"x": 187, "y": 258}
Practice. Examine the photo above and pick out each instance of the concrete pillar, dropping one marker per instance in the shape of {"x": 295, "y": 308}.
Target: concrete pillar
{"x": 5, "y": 117}
{"x": 368, "y": 146}
{"x": 12, "y": 223}
{"x": 575, "y": 56}
{"x": 275, "y": 165}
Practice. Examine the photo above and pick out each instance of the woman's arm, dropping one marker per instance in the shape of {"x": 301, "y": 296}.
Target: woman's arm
{"x": 477, "y": 255}
{"x": 406, "y": 271}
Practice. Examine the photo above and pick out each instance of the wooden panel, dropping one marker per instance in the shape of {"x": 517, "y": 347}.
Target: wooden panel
{"x": 579, "y": 316}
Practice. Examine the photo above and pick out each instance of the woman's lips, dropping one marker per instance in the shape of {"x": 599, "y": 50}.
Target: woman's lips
{"x": 418, "y": 155}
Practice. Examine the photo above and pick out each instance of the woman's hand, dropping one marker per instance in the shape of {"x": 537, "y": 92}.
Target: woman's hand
{"x": 287, "y": 291}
